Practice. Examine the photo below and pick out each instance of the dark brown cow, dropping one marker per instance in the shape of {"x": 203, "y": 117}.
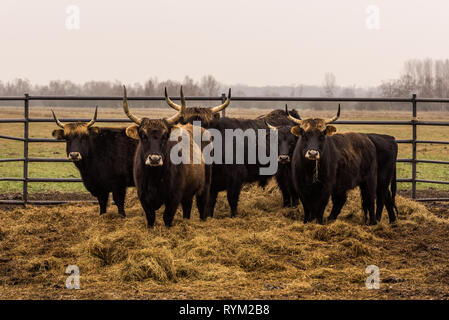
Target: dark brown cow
{"x": 326, "y": 164}
{"x": 159, "y": 181}
{"x": 103, "y": 156}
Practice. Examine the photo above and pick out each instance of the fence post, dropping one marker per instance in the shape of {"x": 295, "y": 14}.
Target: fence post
{"x": 223, "y": 99}
{"x": 25, "y": 149}
{"x": 414, "y": 128}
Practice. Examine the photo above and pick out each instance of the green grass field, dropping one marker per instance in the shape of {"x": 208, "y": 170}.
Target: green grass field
{"x": 14, "y": 149}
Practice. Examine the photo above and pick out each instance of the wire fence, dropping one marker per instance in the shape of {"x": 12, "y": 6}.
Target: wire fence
{"x": 414, "y": 122}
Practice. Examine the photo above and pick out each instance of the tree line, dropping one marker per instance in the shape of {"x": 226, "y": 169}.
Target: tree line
{"x": 427, "y": 78}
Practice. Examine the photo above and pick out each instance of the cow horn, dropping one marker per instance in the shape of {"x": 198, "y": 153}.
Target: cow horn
{"x": 298, "y": 121}
{"x": 334, "y": 118}
{"x": 224, "y": 105}
{"x": 171, "y": 103}
{"x": 270, "y": 126}
{"x": 126, "y": 109}
{"x": 183, "y": 100}
{"x": 286, "y": 111}
{"x": 91, "y": 122}
{"x": 173, "y": 119}
{"x": 59, "y": 123}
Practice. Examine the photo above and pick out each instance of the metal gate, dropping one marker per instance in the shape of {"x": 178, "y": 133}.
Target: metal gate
{"x": 26, "y": 120}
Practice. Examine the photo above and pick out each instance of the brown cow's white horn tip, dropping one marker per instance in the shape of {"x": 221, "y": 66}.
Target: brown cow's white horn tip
{"x": 91, "y": 122}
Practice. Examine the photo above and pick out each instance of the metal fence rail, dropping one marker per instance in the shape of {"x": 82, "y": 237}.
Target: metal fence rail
{"x": 26, "y": 120}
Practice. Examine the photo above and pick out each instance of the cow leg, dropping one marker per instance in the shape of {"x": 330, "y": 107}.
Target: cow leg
{"x": 187, "y": 207}
{"x": 201, "y": 204}
{"x": 150, "y": 213}
{"x": 119, "y": 195}
{"x": 211, "y": 203}
{"x": 390, "y": 207}
{"x": 233, "y": 194}
{"x": 284, "y": 190}
{"x": 103, "y": 201}
{"x": 307, "y": 213}
{"x": 294, "y": 197}
{"x": 170, "y": 210}
{"x": 368, "y": 191}
{"x": 363, "y": 195}
{"x": 381, "y": 194}
{"x": 293, "y": 194}
{"x": 338, "y": 201}
{"x": 321, "y": 206}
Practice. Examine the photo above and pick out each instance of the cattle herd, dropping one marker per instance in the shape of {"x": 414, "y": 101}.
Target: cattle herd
{"x": 313, "y": 161}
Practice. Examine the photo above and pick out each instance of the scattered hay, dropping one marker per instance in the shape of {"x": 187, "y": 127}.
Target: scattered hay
{"x": 156, "y": 264}
{"x": 222, "y": 257}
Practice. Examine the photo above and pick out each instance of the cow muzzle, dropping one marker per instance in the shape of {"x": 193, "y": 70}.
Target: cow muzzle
{"x": 75, "y": 156}
{"x": 283, "y": 158}
{"x": 312, "y": 155}
{"x": 154, "y": 160}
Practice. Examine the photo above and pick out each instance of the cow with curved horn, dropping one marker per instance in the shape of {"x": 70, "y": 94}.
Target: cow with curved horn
{"x": 326, "y": 163}
{"x": 231, "y": 177}
{"x": 286, "y": 145}
{"x": 159, "y": 178}
{"x": 103, "y": 156}
{"x": 203, "y": 114}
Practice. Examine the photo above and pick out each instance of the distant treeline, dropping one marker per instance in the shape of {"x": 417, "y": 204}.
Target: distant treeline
{"x": 427, "y": 78}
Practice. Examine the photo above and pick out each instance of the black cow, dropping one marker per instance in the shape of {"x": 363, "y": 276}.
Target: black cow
{"x": 103, "y": 156}
{"x": 231, "y": 177}
{"x": 161, "y": 181}
{"x": 386, "y": 153}
{"x": 286, "y": 146}
{"x": 326, "y": 164}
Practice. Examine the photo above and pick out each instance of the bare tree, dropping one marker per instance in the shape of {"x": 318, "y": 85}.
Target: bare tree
{"x": 210, "y": 86}
{"x": 329, "y": 85}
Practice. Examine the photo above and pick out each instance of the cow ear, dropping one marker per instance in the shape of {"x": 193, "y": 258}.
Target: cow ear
{"x": 297, "y": 131}
{"x": 94, "y": 130}
{"x": 133, "y": 132}
{"x": 330, "y": 130}
{"x": 58, "y": 134}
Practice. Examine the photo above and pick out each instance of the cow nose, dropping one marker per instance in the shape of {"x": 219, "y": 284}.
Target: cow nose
{"x": 312, "y": 154}
{"x": 154, "y": 160}
{"x": 75, "y": 156}
{"x": 284, "y": 158}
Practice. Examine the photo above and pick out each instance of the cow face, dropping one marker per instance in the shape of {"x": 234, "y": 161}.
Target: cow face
{"x": 286, "y": 143}
{"x": 312, "y": 134}
{"x": 153, "y": 136}
{"x": 76, "y": 135}
{"x": 203, "y": 114}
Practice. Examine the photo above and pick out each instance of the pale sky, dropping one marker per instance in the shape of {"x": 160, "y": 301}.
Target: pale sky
{"x": 257, "y": 42}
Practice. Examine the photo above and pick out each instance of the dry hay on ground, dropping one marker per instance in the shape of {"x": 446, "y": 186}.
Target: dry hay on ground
{"x": 266, "y": 252}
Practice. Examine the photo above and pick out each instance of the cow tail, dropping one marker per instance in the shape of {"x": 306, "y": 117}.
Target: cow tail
{"x": 393, "y": 187}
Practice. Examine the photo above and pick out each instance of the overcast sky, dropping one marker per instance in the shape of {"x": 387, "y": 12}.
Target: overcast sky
{"x": 261, "y": 42}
